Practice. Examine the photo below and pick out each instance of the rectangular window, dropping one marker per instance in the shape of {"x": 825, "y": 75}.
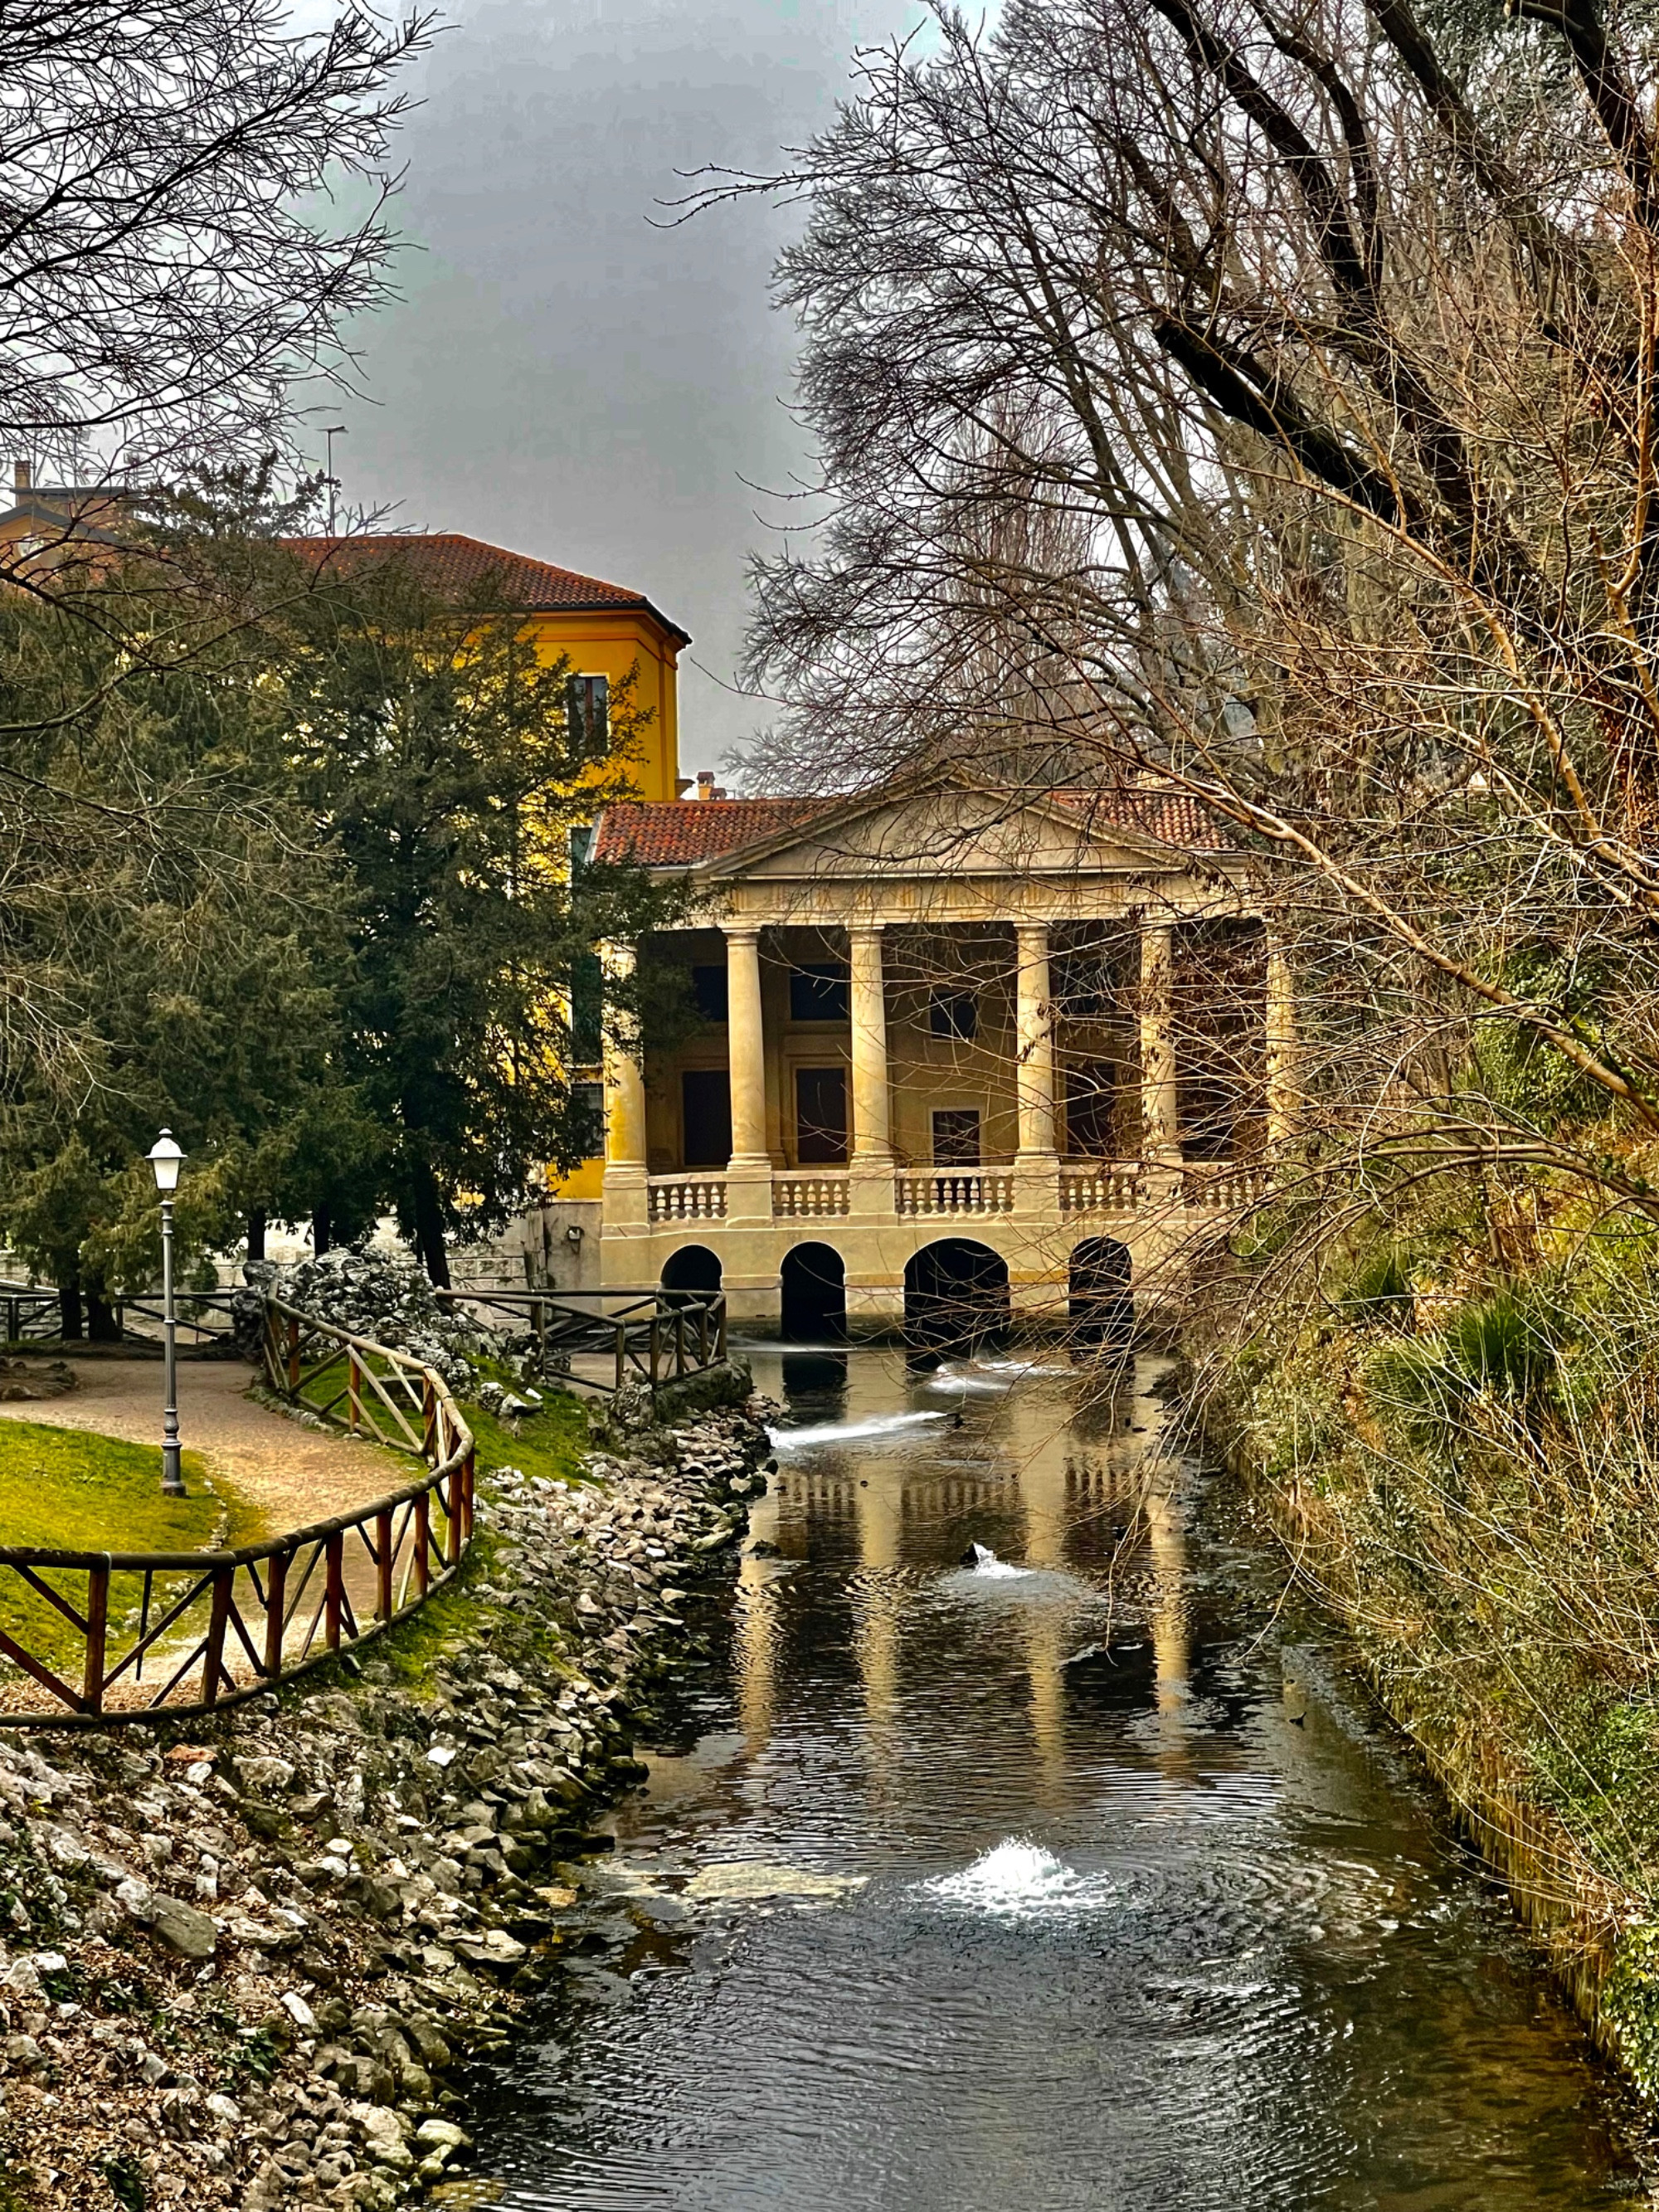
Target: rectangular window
{"x": 587, "y": 713}
{"x": 582, "y": 836}
{"x": 706, "y": 1097}
{"x": 952, "y": 1014}
{"x": 818, "y": 992}
{"x": 956, "y": 1137}
{"x": 708, "y": 990}
{"x": 586, "y": 1008}
{"x": 821, "y": 1117}
{"x": 590, "y": 1104}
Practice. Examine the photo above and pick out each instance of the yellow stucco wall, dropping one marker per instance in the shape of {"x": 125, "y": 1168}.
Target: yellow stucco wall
{"x": 610, "y": 642}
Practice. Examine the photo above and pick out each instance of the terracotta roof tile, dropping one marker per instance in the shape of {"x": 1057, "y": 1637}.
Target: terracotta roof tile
{"x": 677, "y": 833}
{"x": 448, "y": 562}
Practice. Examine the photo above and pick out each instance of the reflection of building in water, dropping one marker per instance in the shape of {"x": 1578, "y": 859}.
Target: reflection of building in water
{"x": 1167, "y": 1540}
{"x": 756, "y": 1636}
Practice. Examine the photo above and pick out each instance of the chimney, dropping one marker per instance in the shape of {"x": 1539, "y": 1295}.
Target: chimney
{"x": 705, "y": 783}
{"x": 22, "y": 475}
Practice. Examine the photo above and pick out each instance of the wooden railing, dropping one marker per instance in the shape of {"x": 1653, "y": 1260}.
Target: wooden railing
{"x": 649, "y": 1337}
{"x": 214, "y": 1627}
{"x": 32, "y": 1313}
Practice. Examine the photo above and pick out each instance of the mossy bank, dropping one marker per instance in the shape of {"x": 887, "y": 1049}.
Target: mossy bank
{"x": 1458, "y": 1443}
{"x": 238, "y": 1959}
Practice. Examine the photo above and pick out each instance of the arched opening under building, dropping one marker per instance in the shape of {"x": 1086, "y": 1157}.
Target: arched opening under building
{"x": 693, "y": 1268}
{"x": 1101, "y": 1305}
{"x": 956, "y": 1294}
{"x": 814, "y": 1284}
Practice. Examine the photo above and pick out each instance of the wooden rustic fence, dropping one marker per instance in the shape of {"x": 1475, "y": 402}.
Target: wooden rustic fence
{"x": 213, "y": 1627}
{"x": 649, "y": 1337}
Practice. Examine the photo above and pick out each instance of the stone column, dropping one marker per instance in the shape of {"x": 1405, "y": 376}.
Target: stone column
{"x": 746, "y": 1032}
{"x": 873, "y": 1134}
{"x": 1281, "y": 1047}
{"x": 749, "y": 1267}
{"x": 1034, "y": 1034}
{"x": 625, "y": 1185}
{"x": 1160, "y": 1112}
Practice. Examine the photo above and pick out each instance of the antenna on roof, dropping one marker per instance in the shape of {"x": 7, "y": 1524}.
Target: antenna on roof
{"x": 334, "y": 430}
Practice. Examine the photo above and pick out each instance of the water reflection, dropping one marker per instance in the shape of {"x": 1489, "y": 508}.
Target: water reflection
{"x": 1121, "y": 1929}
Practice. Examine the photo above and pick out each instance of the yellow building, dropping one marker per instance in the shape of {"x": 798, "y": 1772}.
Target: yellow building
{"x": 604, "y": 630}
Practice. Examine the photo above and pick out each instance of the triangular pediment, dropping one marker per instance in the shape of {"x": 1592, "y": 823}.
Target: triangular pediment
{"x": 955, "y": 828}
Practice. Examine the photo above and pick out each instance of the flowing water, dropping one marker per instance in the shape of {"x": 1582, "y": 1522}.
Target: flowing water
{"x": 928, "y": 1907}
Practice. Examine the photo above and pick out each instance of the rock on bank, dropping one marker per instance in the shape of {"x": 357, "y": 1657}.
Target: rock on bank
{"x": 237, "y": 1958}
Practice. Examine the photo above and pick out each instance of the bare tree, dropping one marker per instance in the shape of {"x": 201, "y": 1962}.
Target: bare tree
{"x": 1318, "y": 349}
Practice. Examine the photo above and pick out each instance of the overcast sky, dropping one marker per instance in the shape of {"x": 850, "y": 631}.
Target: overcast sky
{"x": 560, "y": 377}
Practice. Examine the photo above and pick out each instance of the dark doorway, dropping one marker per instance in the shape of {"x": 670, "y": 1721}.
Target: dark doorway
{"x": 1092, "y": 1120}
{"x": 956, "y": 1295}
{"x": 814, "y": 1278}
{"x": 1101, "y": 1306}
{"x": 956, "y": 1137}
{"x": 693, "y": 1268}
{"x": 821, "y": 1117}
{"x": 706, "y": 1097}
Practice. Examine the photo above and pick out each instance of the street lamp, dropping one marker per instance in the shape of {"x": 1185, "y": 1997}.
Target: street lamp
{"x": 166, "y": 1159}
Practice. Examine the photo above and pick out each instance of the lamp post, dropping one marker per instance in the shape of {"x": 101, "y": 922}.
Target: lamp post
{"x": 166, "y": 1159}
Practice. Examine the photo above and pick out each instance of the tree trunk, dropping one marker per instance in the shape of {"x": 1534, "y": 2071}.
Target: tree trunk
{"x": 322, "y": 1230}
{"x": 429, "y": 1247}
{"x": 102, "y": 1327}
{"x": 256, "y": 1232}
{"x": 71, "y": 1324}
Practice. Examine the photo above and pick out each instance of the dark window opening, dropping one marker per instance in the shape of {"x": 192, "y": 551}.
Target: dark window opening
{"x": 956, "y": 1137}
{"x": 705, "y": 1098}
{"x": 708, "y": 991}
{"x": 589, "y": 1098}
{"x": 586, "y": 1008}
{"x": 818, "y": 992}
{"x": 1093, "y": 1131}
{"x": 821, "y": 1117}
{"x": 587, "y": 715}
{"x": 953, "y": 1014}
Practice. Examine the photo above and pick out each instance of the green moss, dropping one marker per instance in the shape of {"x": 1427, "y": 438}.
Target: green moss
{"x": 550, "y": 1443}
{"x": 71, "y": 1490}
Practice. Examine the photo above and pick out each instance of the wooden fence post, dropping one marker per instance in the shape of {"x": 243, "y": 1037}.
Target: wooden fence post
{"x": 452, "y": 1533}
{"x": 353, "y": 1391}
{"x": 383, "y": 1566}
{"x": 293, "y": 1356}
{"x": 213, "y": 1658}
{"x": 466, "y": 1497}
{"x": 333, "y": 1587}
{"x": 423, "y": 1543}
{"x": 429, "y": 1418}
{"x": 92, "y": 1681}
{"x": 276, "y": 1597}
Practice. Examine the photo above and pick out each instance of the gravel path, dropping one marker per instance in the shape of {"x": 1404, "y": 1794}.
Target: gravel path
{"x": 291, "y": 1476}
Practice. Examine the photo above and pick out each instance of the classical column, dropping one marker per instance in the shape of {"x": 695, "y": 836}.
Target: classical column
{"x": 624, "y": 1080}
{"x": 1160, "y": 1113}
{"x": 745, "y": 1033}
{"x": 873, "y": 1134}
{"x": 1034, "y": 1033}
{"x": 1280, "y": 1046}
{"x": 625, "y": 1208}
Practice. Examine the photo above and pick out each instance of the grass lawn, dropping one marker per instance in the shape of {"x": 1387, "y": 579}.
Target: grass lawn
{"x": 71, "y": 1490}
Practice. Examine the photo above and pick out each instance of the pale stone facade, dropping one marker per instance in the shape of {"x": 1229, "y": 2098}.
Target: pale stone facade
{"x": 951, "y": 896}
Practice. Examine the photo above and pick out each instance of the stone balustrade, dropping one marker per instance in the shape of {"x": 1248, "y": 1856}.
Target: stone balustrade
{"x": 686, "y": 1198}
{"x": 820, "y": 1196}
{"x": 953, "y": 1190}
{"x": 1111, "y": 1186}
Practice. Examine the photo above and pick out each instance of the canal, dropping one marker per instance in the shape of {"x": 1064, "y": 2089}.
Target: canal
{"x": 1080, "y": 1879}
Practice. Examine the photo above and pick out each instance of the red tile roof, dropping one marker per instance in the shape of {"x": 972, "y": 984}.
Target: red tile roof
{"x": 450, "y": 564}
{"x": 679, "y": 833}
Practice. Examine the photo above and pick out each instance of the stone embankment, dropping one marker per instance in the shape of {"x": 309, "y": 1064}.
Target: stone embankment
{"x": 238, "y": 1959}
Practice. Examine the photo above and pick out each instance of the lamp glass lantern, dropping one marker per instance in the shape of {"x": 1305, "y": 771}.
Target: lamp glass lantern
{"x": 166, "y": 1159}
